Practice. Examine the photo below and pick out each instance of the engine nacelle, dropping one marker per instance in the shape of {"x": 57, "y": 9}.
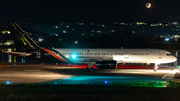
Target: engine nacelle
{"x": 106, "y": 64}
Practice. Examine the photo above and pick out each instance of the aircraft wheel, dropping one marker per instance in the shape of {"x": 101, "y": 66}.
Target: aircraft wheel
{"x": 87, "y": 69}
{"x": 91, "y": 69}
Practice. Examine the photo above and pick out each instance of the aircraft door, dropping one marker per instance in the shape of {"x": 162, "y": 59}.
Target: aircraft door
{"x": 160, "y": 55}
{"x": 126, "y": 55}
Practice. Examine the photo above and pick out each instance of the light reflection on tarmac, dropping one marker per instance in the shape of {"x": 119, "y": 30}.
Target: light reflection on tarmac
{"x": 69, "y": 75}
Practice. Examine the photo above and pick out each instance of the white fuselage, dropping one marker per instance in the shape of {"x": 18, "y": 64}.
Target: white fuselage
{"x": 119, "y": 55}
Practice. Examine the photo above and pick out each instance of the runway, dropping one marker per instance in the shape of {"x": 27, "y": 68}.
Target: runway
{"x": 52, "y": 74}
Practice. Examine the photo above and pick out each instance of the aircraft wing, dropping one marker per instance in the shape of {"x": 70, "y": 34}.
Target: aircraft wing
{"x": 18, "y": 53}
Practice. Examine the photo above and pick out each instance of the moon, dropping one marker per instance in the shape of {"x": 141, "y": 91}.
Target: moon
{"x": 148, "y": 5}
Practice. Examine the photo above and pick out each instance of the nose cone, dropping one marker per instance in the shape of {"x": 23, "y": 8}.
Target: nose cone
{"x": 174, "y": 58}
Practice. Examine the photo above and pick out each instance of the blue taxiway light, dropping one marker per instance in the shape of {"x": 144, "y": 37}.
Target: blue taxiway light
{"x": 105, "y": 82}
{"x": 7, "y": 82}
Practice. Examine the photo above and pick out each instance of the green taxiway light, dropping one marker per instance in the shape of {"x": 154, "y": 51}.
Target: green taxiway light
{"x": 177, "y": 66}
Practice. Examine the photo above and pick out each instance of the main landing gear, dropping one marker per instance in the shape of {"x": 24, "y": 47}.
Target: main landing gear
{"x": 90, "y": 67}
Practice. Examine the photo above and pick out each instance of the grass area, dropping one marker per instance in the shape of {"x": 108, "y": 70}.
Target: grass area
{"x": 88, "y": 92}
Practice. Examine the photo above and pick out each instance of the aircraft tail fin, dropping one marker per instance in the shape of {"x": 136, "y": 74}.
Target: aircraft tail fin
{"x": 21, "y": 40}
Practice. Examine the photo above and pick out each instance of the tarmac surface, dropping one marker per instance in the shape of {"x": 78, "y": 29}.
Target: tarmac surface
{"x": 52, "y": 74}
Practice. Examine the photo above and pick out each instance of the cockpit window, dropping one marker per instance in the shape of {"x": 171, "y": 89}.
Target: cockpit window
{"x": 168, "y": 54}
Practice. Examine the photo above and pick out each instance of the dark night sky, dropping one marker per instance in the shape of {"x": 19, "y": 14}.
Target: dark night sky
{"x": 89, "y": 10}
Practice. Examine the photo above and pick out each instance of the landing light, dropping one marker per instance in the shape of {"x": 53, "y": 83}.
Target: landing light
{"x": 73, "y": 56}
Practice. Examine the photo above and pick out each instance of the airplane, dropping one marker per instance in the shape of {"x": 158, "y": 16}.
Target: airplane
{"x": 26, "y": 47}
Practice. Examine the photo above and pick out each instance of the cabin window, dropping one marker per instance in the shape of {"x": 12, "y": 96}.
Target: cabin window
{"x": 140, "y": 54}
{"x": 119, "y": 53}
{"x": 95, "y": 53}
{"x": 105, "y": 53}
